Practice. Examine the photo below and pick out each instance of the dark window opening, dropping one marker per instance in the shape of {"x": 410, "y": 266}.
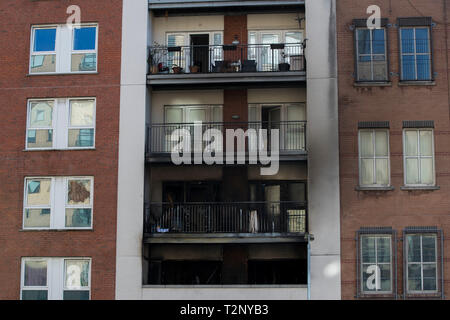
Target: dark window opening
{"x": 277, "y": 271}
{"x": 173, "y": 272}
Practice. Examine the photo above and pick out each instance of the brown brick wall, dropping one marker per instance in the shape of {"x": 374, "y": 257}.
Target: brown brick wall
{"x": 16, "y": 18}
{"x": 235, "y": 26}
{"x": 396, "y": 209}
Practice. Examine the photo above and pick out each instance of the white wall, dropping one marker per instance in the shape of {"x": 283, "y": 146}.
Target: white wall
{"x": 323, "y": 149}
{"x": 133, "y": 102}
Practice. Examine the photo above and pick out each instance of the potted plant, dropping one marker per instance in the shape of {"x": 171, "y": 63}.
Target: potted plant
{"x": 176, "y": 69}
{"x": 284, "y": 66}
{"x": 156, "y": 57}
{"x": 194, "y": 69}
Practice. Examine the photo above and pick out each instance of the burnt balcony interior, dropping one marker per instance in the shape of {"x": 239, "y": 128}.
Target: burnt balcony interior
{"x": 225, "y": 264}
{"x": 272, "y": 209}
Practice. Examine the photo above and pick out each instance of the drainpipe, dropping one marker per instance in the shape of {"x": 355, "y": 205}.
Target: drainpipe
{"x": 309, "y": 238}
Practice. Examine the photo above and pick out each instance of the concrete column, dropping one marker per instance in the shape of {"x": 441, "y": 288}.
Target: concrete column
{"x": 133, "y": 91}
{"x": 323, "y": 148}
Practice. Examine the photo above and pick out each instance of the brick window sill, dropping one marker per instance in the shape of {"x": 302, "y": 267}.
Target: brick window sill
{"x": 373, "y": 84}
{"x": 416, "y": 83}
{"x": 419, "y": 188}
{"x": 361, "y": 188}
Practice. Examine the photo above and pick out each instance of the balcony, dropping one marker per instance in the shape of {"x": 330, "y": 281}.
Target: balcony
{"x": 222, "y": 222}
{"x": 281, "y": 63}
{"x": 163, "y": 139}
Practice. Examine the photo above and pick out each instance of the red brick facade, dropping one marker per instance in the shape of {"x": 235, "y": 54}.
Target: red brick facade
{"x": 397, "y": 209}
{"x": 16, "y": 86}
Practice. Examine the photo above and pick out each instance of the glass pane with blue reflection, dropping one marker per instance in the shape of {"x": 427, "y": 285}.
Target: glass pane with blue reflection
{"x": 422, "y": 40}
{"x": 364, "y": 41}
{"x": 407, "y": 36}
{"x": 423, "y": 67}
{"x": 378, "y": 43}
{"x": 44, "y": 40}
{"x": 84, "y": 38}
{"x": 408, "y": 67}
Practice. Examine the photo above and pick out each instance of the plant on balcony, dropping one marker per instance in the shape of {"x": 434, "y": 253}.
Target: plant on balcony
{"x": 176, "y": 69}
{"x": 284, "y": 66}
{"x": 156, "y": 56}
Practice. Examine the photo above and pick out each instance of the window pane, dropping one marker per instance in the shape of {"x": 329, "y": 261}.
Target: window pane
{"x": 414, "y": 277}
{"x": 422, "y": 40}
{"x": 79, "y": 192}
{"x": 426, "y": 143}
{"x": 38, "y": 192}
{"x": 364, "y": 41}
{"x": 382, "y": 168}
{"x": 43, "y": 63}
{"x": 37, "y": 218}
{"x": 78, "y": 218}
{"x": 76, "y": 295}
{"x": 82, "y": 113}
{"x": 76, "y": 274}
{"x": 380, "y": 68}
{"x": 413, "y": 242}
{"x": 34, "y": 295}
{"x": 84, "y": 38}
{"x": 217, "y": 38}
{"x": 411, "y": 143}
{"x": 44, "y": 40}
{"x": 81, "y": 138}
{"x": 378, "y": 41}
{"x": 368, "y": 249}
{"x": 429, "y": 277}
{"x": 174, "y": 115}
{"x": 293, "y": 37}
{"x": 385, "y": 274}
{"x": 423, "y": 67}
{"x": 35, "y": 274}
{"x": 408, "y": 67}
{"x": 407, "y": 35}
{"x": 40, "y": 138}
{"x": 429, "y": 248}
{"x": 84, "y": 62}
{"x": 367, "y": 171}
{"x": 366, "y": 143}
{"x": 426, "y": 170}
{"x": 41, "y": 114}
{"x": 365, "y": 69}
{"x": 383, "y": 249}
{"x": 381, "y": 143}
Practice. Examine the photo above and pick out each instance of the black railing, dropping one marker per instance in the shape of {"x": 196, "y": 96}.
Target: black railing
{"x": 227, "y": 58}
{"x": 166, "y": 138}
{"x": 225, "y": 217}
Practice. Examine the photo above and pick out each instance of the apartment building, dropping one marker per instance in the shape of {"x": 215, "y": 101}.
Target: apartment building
{"x": 394, "y": 149}
{"x": 222, "y": 230}
{"x": 59, "y": 100}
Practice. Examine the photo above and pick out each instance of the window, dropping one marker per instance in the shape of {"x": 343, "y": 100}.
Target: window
{"x": 422, "y": 267}
{"x": 374, "y": 157}
{"x": 61, "y": 49}
{"x": 61, "y": 124}
{"x": 376, "y": 263}
{"x": 415, "y": 55}
{"x": 55, "y": 279}
{"x": 371, "y": 55}
{"x": 58, "y": 203}
{"x": 418, "y": 154}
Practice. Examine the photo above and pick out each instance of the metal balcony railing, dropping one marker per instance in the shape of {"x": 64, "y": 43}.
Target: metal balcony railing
{"x": 165, "y": 138}
{"x": 226, "y": 217}
{"x": 280, "y": 57}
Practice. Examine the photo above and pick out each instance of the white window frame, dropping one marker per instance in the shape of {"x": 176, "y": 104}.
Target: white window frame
{"x": 58, "y": 203}
{"x": 56, "y": 272}
{"x": 63, "y": 48}
{"x": 23, "y": 287}
{"x": 209, "y": 108}
{"x": 418, "y": 157}
{"x": 371, "y": 55}
{"x": 376, "y": 263}
{"x": 421, "y": 263}
{"x": 40, "y": 53}
{"x": 415, "y": 54}
{"x": 61, "y": 123}
{"x": 374, "y": 157}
